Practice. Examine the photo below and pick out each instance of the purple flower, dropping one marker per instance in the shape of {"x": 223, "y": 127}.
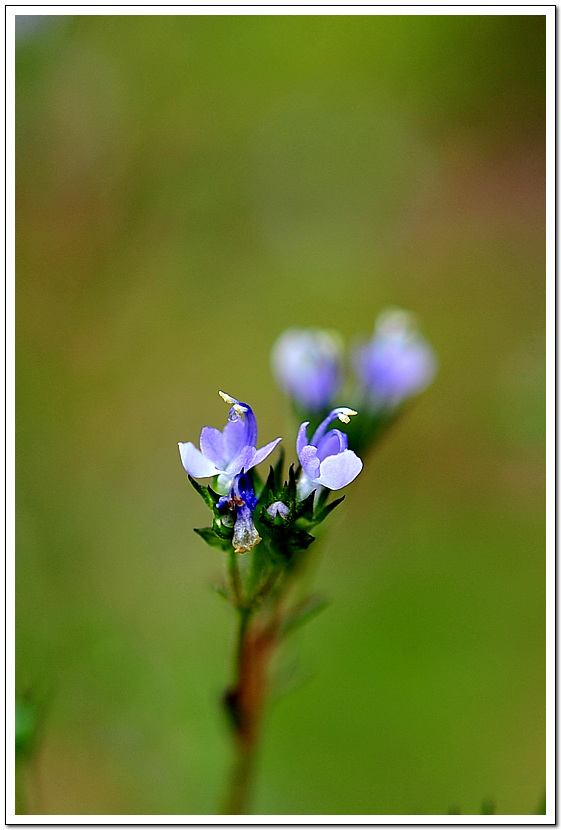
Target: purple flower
{"x": 307, "y": 365}
{"x": 226, "y": 454}
{"x": 396, "y": 362}
{"x": 242, "y": 501}
{"x": 326, "y": 460}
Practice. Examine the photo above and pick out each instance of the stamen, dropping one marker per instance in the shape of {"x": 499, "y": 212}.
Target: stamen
{"x": 226, "y": 398}
{"x": 345, "y": 414}
{"x": 236, "y": 406}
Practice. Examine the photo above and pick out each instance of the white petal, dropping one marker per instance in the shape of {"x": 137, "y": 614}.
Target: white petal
{"x": 195, "y": 462}
{"x": 337, "y": 471}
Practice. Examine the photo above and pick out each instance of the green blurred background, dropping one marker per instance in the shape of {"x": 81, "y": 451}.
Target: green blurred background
{"x": 187, "y": 187}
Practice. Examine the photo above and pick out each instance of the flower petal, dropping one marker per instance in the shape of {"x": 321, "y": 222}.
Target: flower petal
{"x": 333, "y": 443}
{"x": 262, "y": 454}
{"x": 310, "y": 461}
{"x": 212, "y": 446}
{"x": 234, "y": 438}
{"x": 195, "y": 462}
{"x": 337, "y": 471}
{"x": 242, "y": 461}
{"x": 302, "y": 437}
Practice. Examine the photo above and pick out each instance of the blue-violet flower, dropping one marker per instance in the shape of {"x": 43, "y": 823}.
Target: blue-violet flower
{"x": 396, "y": 363}
{"x": 242, "y": 501}
{"x": 228, "y": 452}
{"x": 326, "y": 460}
{"x": 307, "y": 365}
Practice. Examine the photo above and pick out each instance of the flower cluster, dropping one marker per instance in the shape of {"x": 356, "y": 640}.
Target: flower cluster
{"x": 246, "y": 510}
{"x": 385, "y": 371}
{"x": 395, "y": 364}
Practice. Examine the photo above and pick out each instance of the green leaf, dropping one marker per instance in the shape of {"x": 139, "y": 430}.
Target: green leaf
{"x": 221, "y": 530}
{"x": 289, "y": 489}
{"x": 303, "y": 612}
{"x": 208, "y": 495}
{"x": 277, "y": 470}
{"x": 305, "y": 509}
{"x": 300, "y": 539}
{"x": 267, "y": 496}
{"x": 222, "y": 591}
{"x": 321, "y": 514}
{"x": 25, "y": 726}
{"x": 212, "y": 539}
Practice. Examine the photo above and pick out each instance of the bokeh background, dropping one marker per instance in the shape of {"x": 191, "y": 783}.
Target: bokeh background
{"x": 187, "y": 187}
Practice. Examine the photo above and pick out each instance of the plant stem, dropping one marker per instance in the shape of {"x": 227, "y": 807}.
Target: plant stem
{"x": 245, "y": 702}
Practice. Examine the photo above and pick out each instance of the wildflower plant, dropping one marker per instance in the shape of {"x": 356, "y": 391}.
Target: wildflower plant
{"x": 265, "y": 521}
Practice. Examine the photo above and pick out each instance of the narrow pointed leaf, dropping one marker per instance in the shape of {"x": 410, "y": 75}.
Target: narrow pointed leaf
{"x": 278, "y": 468}
{"x": 306, "y": 507}
{"x": 210, "y": 537}
{"x": 325, "y": 511}
{"x": 204, "y": 492}
{"x": 290, "y": 487}
{"x": 303, "y": 612}
{"x": 269, "y": 489}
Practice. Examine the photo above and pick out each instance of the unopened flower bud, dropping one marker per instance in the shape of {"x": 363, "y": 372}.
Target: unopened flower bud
{"x": 278, "y": 508}
{"x": 396, "y": 363}
{"x": 307, "y": 365}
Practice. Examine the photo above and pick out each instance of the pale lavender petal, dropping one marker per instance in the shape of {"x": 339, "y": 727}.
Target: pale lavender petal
{"x": 320, "y": 431}
{"x": 339, "y": 470}
{"x": 262, "y": 454}
{"x": 242, "y": 461}
{"x": 212, "y": 446}
{"x": 302, "y": 438}
{"x": 333, "y": 443}
{"x": 309, "y": 461}
{"x": 234, "y": 438}
{"x": 195, "y": 462}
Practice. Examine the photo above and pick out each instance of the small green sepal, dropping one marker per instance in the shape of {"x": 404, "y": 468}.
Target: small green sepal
{"x": 206, "y": 493}
{"x": 323, "y": 512}
{"x": 213, "y": 539}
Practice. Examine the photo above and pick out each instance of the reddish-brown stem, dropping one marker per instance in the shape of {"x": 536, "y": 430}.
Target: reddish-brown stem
{"x": 245, "y": 702}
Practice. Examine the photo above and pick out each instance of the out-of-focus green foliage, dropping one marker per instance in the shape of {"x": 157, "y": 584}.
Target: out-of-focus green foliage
{"x": 188, "y": 187}
{"x": 25, "y": 727}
